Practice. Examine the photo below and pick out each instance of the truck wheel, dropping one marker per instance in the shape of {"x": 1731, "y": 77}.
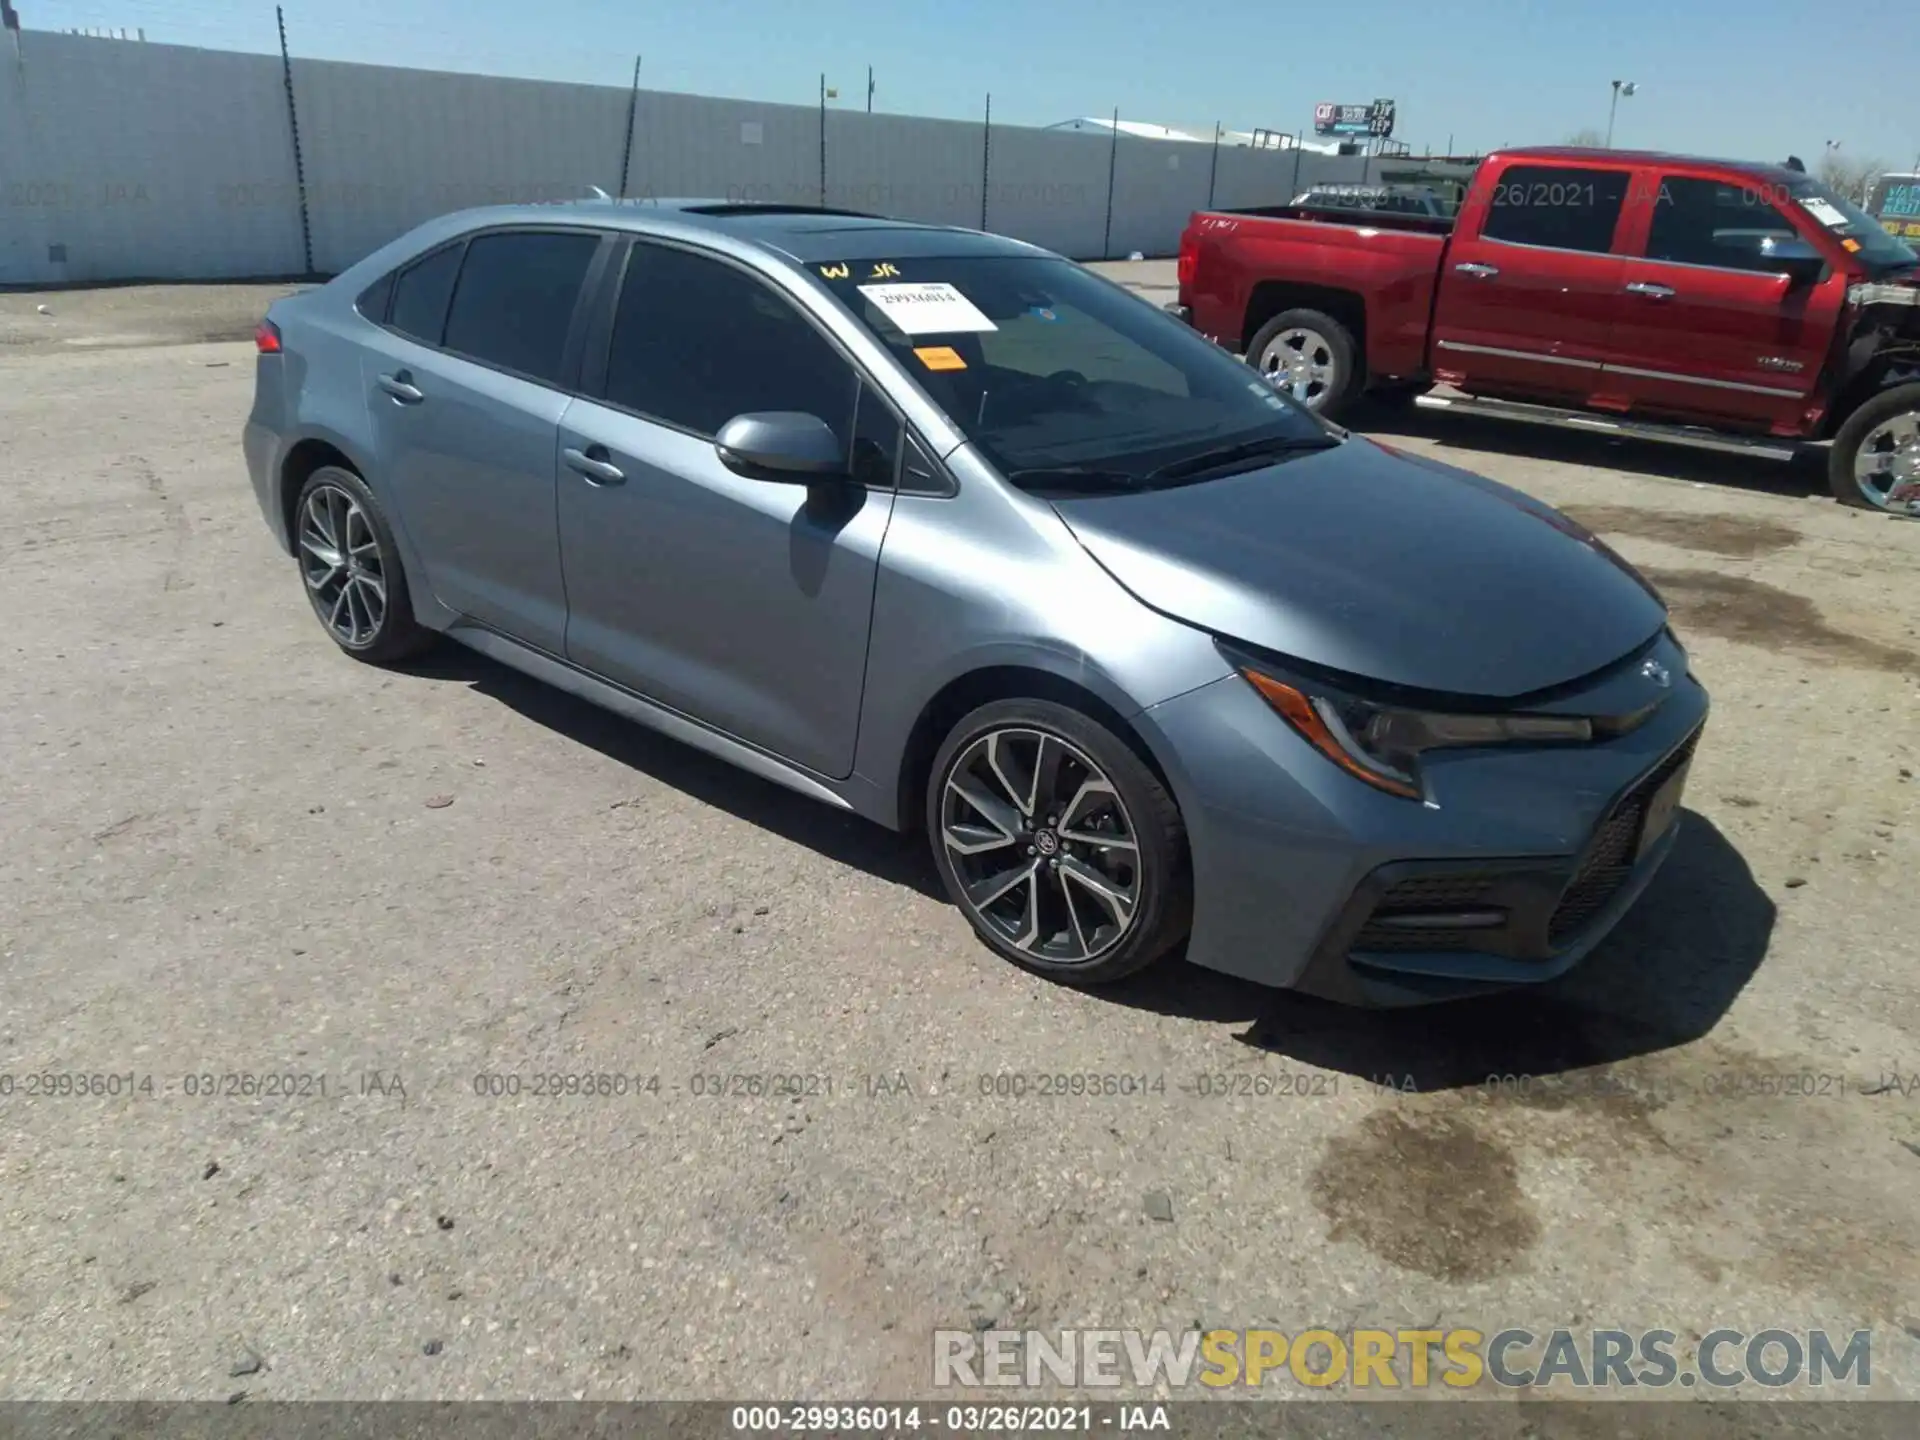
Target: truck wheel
{"x": 1311, "y": 356}
{"x": 1875, "y": 462}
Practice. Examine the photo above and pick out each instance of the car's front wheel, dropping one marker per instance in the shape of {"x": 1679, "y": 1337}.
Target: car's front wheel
{"x": 352, "y": 571}
{"x": 1875, "y": 462}
{"x": 1062, "y": 848}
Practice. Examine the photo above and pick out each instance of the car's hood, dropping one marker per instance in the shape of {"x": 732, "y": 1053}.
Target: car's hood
{"x": 1363, "y": 560}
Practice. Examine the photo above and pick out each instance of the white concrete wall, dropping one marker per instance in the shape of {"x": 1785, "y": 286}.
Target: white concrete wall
{"x": 149, "y": 161}
{"x": 143, "y": 160}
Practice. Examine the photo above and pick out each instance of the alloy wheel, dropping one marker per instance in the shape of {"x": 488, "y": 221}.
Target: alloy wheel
{"x": 1300, "y": 361}
{"x": 340, "y": 559}
{"x": 1887, "y": 465}
{"x": 1043, "y": 847}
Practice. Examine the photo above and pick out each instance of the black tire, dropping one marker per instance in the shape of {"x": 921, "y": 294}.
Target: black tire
{"x": 1158, "y": 877}
{"x": 1343, "y": 355}
{"x": 396, "y": 635}
{"x": 1847, "y": 441}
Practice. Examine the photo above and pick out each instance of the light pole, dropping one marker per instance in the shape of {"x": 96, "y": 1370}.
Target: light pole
{"x": 1620, "y": 87}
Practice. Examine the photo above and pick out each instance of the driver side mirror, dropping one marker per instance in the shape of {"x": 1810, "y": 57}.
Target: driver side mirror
{"x": 1793, "y": 257}
{"x": 781, "y": 445}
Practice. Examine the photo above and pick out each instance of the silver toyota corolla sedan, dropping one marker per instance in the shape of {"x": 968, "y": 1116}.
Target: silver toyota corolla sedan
{"x": 950, "y": 532}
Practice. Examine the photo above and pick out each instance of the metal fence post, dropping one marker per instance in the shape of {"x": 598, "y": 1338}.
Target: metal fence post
{"x": 1213, "y": 170}
{"x": 293, "y": 124}
{"x": 986, "y": 161}
{"x": 823, "y": 139}
{"x": 633, "y": 106}
{"x": 1113, "y": 161}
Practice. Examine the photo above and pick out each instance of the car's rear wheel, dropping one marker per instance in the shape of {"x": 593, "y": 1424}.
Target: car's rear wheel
{"x": 1875, "y": 462}
{"x": 351, "y": 569}
{"x": 1058, "y": 843}
{"x": 1309, "y": 355}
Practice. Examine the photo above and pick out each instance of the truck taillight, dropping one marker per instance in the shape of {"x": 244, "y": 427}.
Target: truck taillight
{"x": 1189, "y": 259}
{"x": 266, "y": 338}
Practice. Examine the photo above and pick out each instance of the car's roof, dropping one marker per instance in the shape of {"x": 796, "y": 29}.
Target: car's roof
{"x": 805, "y": 233}
{"x": 1648, "y": 157}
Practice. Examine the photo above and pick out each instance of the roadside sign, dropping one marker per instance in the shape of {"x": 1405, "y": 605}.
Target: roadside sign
{"x": 1895, "y": 203}
{"x": 1375, "y": 119}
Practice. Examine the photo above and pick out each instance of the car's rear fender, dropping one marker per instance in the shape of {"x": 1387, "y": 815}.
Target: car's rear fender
{"x": 324, "y": 420}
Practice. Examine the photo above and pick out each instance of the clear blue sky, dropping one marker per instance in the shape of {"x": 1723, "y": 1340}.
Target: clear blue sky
{"x": 1750, "y": 78}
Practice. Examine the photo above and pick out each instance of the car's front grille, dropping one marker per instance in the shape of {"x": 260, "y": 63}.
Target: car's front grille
{"x": 1610, "y": 855}
{"x": 1427, "y": 895}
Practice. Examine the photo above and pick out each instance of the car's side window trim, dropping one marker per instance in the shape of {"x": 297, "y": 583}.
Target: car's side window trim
{"x": 387, "y": 283}
{"x": 944, "y": 486}
{"x": 567, "y": 382}
{"x": 596, "y": 365}
{"x": 596, "y": 344}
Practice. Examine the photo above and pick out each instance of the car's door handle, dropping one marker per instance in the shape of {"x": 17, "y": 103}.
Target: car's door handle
{"x": 401, "y": 387}
{"x": 1650, "y": 290}
{"x": 593, "y": 463}
{"x": 1477, "y": 270}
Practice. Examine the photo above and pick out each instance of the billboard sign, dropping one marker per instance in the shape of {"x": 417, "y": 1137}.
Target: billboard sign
{"x": 1375, "y": 119}
{"x": 1895, "y": 203}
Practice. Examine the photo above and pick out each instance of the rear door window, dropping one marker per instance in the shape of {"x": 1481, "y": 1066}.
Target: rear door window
{"x": 514, "y": 304}
{"x": 421, "y": 293}
{"x": 1556, "y": 207}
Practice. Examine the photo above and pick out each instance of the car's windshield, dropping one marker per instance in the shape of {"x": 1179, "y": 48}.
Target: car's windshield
{"x": 1047, "y": 368}
{"x": 1855, "y": 228}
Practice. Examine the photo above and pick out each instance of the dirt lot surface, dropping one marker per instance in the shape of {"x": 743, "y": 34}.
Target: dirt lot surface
{"x": 227, "y": 850}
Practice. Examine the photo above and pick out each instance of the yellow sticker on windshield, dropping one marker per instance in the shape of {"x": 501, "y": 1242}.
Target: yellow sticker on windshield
{"x": 834, "y": 272}
{"x": 1851, "y": 245}
{"x": 940, "y": 357}
{"x": 885, "y": 270}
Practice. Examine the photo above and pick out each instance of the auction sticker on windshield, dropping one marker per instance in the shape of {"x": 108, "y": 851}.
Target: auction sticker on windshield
{"x": 1825, "y": 213}
{"x": 940, "y": 357}
{"x": 927, "y": 308}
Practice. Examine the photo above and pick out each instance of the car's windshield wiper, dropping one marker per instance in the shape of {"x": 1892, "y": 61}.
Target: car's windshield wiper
{"x": 1074, "y": 477}
{"x": 1224, "y": 455}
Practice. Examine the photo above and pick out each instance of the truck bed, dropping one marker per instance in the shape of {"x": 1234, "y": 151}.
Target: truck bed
{"x": 1392, "y": 259}
{"x": 1346, "y": 215}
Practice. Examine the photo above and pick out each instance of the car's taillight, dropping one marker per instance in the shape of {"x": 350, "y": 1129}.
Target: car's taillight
{"x": 1189, "y": 259}
{"x": 266, "y": 338}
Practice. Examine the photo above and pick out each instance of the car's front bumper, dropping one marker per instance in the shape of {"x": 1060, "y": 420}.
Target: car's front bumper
{"x": 1306, "y": 878}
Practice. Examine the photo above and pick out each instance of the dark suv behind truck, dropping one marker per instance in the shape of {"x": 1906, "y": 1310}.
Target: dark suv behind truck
{"x": 1733, "y": 305}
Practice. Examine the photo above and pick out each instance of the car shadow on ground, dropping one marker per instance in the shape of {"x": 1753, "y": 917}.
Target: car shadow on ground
{"x": 884, "y": 854}
{"x": 1663, "y": 978}
{"x": 1805, "y": 475}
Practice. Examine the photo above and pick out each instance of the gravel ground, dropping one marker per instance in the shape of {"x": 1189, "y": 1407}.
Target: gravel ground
{"x": 227, "y": 850}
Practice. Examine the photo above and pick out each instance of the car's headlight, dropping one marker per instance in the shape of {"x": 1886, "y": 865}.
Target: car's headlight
{"x": 1382, "y": 745}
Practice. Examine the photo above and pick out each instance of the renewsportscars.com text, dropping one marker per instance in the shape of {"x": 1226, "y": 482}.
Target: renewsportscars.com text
{"x": 1400, "y": 1359}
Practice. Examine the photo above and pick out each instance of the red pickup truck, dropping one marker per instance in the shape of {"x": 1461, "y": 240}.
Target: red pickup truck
{"x": 1737, "y": 306}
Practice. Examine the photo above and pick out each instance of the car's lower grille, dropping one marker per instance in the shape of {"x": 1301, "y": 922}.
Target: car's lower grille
{"x": 1609, "y": 858}
{"x": 1427, "y": 895}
